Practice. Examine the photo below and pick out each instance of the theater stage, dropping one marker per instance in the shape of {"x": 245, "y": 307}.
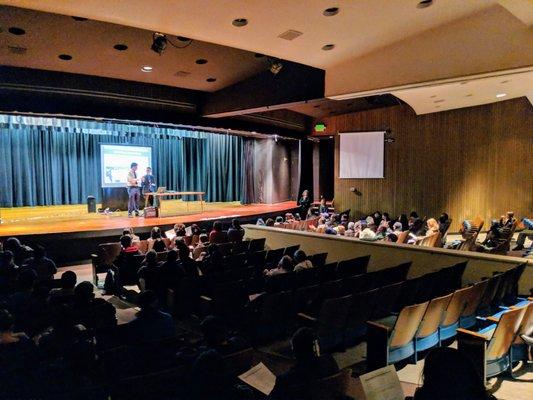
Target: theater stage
{"x": 70, "y": 233}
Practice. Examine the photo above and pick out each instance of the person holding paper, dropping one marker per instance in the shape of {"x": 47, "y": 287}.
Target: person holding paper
{"x": 132, "y": 184}
{"x": 148, "y": 186}
{"x": 310, "y": 365}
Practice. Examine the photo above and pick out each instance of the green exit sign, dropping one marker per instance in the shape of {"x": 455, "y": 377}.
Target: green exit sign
{"x": 320, "y": 127}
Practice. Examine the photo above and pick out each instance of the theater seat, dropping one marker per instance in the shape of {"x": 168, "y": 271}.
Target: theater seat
{"x": 391, "y": 339}
{"x": 456, "y": 306}
{"x": 427, "y": 335}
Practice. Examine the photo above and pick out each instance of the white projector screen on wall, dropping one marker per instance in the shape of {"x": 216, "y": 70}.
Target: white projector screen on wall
{"x": 361, "y": 154}
{"x": 116, "y": 159}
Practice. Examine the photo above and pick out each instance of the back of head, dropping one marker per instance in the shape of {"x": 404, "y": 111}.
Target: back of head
{"x": 217, "y": 226}
{"x": 39, "y": 252}
{"x": 155, "y": 233}
{"x": 148, "y": 300}
{"x": 449, "y": 374}
{"x": 213, "y": 330}
{"x": 443, "y": 218}
{"x": 236, "y": 223}
{"x": 204, "y": 238}
{"x": 304, "y": 344}
{"x": 12, "y": 244}
{"x": 151, "y": 257}
{"x": 279, "y": 219}
{"x": 6, "y": 321}
{"x": 413, "y": 214}
{"x": 125, "y": 241}
{"x": 269, "y": 222}
{"x": 26, "y": 279}
{"x": 183, "y": 251}
{"x": 84, "y": 292}
{"x": 286, "y": 263}
{"x": 172, "y": 255}
{"x": 68, "y": 279}
{"x": 299, "y": 256}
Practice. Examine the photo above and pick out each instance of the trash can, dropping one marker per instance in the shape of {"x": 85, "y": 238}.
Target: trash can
{"x": 91, "y": 204}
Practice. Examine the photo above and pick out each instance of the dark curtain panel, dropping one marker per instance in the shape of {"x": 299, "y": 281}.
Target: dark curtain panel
{"x": 306, "y": 167}
{"x": 59, "y": 163}
{"x": 248, "y": 191}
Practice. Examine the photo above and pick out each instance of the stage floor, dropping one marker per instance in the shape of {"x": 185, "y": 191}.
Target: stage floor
{"x": 75, "y": 218}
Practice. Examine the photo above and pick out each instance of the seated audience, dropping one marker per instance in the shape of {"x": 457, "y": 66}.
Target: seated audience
{"x": 413, "y": 217}
{"x": 155, "y": 241}
{"x": 171, "y": 272}
{"x": 22, "y": 303}
{"x": 201, "y": 247}
{"x": 217, "y": 235}
{"x": 509, "y": 219}
{"x": 179, "y": 230}
{"x": 301, "y": 261}
{"x": 42, "y": 265}
{"x": 150, "y": 324}
{"x": 444, "y": 223}
{"x": 350, "y": 232}
{"x": 269, "y": 222}
{"x": 64, "y": 294}
{"x": 284, "y": 266}
{"x": 129, "y": 232}
{"x": 323, "y": 207}
{"x": 310, "y": 365}
{"x": 217, "y": 337}
{"x": 125, "y": 271}
{"x": 92, "y": 312}
{"x": 211, "y": 259}
{"x": 279, "y": 222}
{"x": 187, "y": 264}
{"x": 235, "y": 232}
{"x": 404, "y": 221}
{"x": 432, "y": 227}
{"x": 149, "y": 274}
{"x": 20, "y": 252}
{"x": 449, "y": 374}
{"x": 521, "y": 240}
{"x": 8, "y": 270}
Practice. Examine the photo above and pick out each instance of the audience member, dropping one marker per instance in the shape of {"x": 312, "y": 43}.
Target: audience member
{"x": 279, "y": 222}
{"x": 310, "y": 365}
{"x": 188, "y": 265}
{"x": 304, "y": 203}
{"x": 217, "y": 337}
{"x": 64, "y": 294}
{"x": 201, "y": 247}
{"x": 301, "y": 261}
{"x": 8, "y": 270}
{"x": 42, "y": 265}
{"x": 20, "y": 252}
{"x": 284, "y": 266}
{"x": 217, "y": 235}
{"x": 171, "y": 272}
{"x": 269, "y": 222}
{"x": 521, "y": 240}
{"x": 93, "y": 312}
{"x": 404, "y": 221}
{"x": 323, "y": 207}
{"x": 180, "y": 230}
{"x": 448, "y": 374}
{"x": 125, "y": 271}
{"x": 155, "y": 241}
{"x": 149, "y": 274}
{"x": 150, "y": 324}
{"x": 444, "y": 223}
{"x": 211, "y": 259}
{"x": 432, "y": 227}
{"x": 235, "y": 232}
{"x": 128, "y": 231}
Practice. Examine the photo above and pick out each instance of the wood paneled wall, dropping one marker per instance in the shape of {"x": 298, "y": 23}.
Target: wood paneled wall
{"x": 467, "y": 162}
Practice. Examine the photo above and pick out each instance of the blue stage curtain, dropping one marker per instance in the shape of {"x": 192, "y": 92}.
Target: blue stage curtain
{"x": 48, "y": 161}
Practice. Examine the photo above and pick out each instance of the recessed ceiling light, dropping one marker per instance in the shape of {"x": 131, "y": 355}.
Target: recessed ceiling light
{"x": 327, "y": 47}
{"x": 211, "y": 79}
{"x": 258, "y": 55}
{"x": 79, "y": 19}
{"x": 120, "y": 47}
{"x": 330, "y": 12}
{"x": 16, "y": 31}
{"x": 201, "y": 61}
{"x": 499, "y": 95}
{"x": 147, "y": 68}
{"x": 65, "y": 57}
{"x": 239, "y": 22}
{"x": 424, "y": 3}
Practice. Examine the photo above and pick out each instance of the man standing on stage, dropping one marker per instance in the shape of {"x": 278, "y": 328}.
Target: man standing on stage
{"x": 148, "y": 186}
{"x": 133, "y": 191}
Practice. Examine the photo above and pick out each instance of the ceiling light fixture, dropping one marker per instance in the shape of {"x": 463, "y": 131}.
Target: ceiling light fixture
{"x": 240, "y": 22}
{"x": 424, "y": 4}
{"x": 147, "y": 68}
{"x": 328, "y": 47}
{"x": 201, "y": 61}
{"x": 211, "y": 79}
{"x": 120, "y": 47}
{"x": 330, "y": 12}
{"x": 65, "y": 57}
{"x": 275, "y": 66}
{"x": 500, "y": 95}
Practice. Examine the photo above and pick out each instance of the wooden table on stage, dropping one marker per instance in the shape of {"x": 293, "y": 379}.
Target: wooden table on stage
{"x": 169, "y": 194}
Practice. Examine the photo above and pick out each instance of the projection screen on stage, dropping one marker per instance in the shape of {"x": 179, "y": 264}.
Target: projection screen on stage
{"x": 361, "y": 155}
{"x": 115, "y": 161}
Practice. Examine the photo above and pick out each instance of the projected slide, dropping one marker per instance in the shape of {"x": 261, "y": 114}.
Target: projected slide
{"x": 116, "y": 160}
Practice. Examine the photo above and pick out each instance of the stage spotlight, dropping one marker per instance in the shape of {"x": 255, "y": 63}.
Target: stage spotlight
{"x": 159, "y": 43}
{"x": 275, "y": 66}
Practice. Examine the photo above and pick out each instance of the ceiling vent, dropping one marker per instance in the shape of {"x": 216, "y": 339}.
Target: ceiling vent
{"x": 17, "y": 50}
{"x": 290, "y": 35}
{"x": 182, "y": 74}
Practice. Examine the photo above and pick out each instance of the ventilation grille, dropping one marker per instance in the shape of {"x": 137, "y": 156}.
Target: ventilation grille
{"x": 17, "y": 50}
{"x": 290, "y": 35}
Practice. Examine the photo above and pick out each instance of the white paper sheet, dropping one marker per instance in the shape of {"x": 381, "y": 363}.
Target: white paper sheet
{"x": 260, "y": 378}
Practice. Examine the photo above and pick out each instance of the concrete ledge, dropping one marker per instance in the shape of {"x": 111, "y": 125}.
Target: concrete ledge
{"x": 384, "y": 254}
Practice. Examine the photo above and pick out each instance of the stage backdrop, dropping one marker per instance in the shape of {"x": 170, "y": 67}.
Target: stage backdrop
{"x": 48, "y": 161}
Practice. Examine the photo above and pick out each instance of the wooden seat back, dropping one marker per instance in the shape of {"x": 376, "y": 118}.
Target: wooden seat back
{"x": 474, "y": 298}
{"x": 107, "y": 252}
{"x": 456, "y": 306}
{"x": 433, "y": 316}
{"x": 407, "y": 324}
{"x": 526, "y": 325}
{"x": 402, "y": 237}
{"x": 505, "y": 333}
